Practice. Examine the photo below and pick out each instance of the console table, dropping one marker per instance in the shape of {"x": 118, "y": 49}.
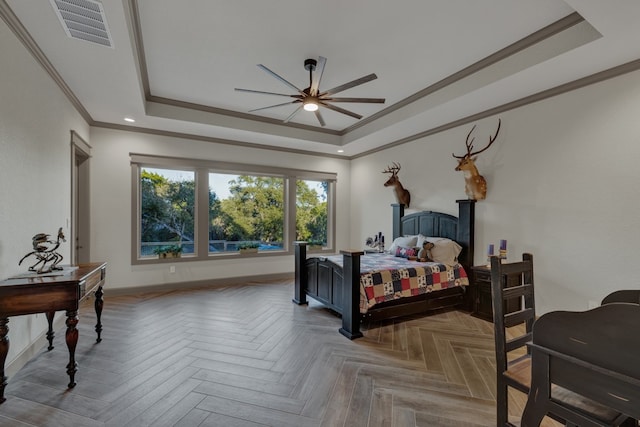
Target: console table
{"x": 48, "y": 293}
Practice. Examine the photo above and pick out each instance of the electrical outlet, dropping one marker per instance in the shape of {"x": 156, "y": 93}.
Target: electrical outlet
{"x": 593, "y": 304}
{"x": 172, "y": 269}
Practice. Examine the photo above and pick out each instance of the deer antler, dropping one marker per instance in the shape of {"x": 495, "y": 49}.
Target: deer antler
{"x": 491, "y": 140}
{"x": 392, "y": 170}
{"x": 469, "y": 144}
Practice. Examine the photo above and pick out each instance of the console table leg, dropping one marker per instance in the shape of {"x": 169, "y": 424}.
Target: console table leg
{"x": 4, "y": 349}
{"x": 50, "y": 333}
{"x": 72, "y": 341}
{"x": 98, "y": 306}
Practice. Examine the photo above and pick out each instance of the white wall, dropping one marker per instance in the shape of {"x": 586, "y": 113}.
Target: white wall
{"x": 563, "y": 184}
{"x": 35, "y": 170}
{"x": 111, "y": 205}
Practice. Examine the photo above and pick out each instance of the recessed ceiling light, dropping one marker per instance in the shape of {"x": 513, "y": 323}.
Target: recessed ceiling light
{"x": 129, "y": 119}
{"x": 340, "y": 151}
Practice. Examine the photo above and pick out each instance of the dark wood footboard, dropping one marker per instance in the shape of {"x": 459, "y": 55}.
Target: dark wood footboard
{"x": 336, "y": 287}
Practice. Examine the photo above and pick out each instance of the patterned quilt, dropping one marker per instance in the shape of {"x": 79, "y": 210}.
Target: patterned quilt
{"x": 384, "y": 277}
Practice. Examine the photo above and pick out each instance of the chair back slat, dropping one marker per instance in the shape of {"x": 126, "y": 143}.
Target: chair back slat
{"x": 518, "y": 317}
{"x": 517, "y": 343}
{"x": 516, "y": 267}
{"x": 525, "y": 290}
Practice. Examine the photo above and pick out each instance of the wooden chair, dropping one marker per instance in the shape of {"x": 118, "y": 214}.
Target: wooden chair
{"x": 512, "y": 371}
{"x": 629, "y": 296}
{"x": 513, "y": 331}
{"x": 594, "y": 356}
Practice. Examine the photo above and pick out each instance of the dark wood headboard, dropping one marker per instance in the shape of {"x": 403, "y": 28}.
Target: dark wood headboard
{"x": 438, "y": 224}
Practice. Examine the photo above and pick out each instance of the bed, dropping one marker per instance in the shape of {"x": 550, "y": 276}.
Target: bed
{"x": 337, "y": 285}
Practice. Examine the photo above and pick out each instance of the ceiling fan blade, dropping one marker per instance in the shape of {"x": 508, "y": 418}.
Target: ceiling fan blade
{"x": 315, "y": 83}
{"x": 319, "y": 117}
{"x": 341, "y": 110}
{"x": 293, "y": 114}
{"x": 366, "y": 100}
{"x": 281, "y": 79}
{"x": 266, "y": 93}
{"x": 349, "y": 85}
{"x": 273, "y": 106}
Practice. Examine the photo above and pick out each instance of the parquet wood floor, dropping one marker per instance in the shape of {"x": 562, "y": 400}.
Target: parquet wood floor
{"x": 247, "y": 356}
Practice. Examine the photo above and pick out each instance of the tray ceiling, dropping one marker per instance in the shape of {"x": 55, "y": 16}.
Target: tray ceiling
{"x": 173, "y": 66}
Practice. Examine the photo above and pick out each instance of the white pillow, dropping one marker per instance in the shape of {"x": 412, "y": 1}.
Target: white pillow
{"x": 421, "y": 240}
{"x": 445, "y": 251}
{"x": 405, "y": 241}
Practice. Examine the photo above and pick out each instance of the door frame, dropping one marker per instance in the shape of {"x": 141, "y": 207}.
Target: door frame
{"x": 80, "y": 200}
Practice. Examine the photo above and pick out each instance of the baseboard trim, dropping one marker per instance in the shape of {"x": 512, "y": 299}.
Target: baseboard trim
{"x": 197, "y": 284}
{"x": 36, "y": 347}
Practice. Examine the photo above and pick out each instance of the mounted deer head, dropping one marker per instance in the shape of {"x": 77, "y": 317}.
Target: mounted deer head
{"x": 474, "y": 184}
{"x": 402, "y": 195}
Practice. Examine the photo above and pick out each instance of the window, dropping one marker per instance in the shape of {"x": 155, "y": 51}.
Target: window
{"x": 167, "y": 210}
{"x": 246, "y": 209}
{"x": 212, "y": 209}
{"x": 312, "y": 212}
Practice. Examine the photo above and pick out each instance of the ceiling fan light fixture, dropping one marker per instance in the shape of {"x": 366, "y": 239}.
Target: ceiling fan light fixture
{"x": 310, "y": 105}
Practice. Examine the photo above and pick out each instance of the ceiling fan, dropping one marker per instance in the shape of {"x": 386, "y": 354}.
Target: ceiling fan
{"x": 311, "y": 98}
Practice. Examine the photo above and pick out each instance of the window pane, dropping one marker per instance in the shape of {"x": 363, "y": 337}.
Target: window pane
{"x": 167, "y": 210}
{"x": 312, "y": 211}
{"x": 245, "y": 210}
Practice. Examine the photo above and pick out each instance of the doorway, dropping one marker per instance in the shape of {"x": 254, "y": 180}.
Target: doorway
{"x": 80, "y": 200}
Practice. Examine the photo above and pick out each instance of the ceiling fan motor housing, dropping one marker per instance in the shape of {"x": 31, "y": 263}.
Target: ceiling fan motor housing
{"x": 310, "y": 64}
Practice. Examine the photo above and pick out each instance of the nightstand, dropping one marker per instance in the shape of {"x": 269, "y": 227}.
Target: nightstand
{"x": 482, "y": 300}
{"x": 372, "y": 251}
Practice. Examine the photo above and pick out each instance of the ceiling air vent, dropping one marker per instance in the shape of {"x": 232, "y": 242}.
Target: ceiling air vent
{"x": 84, "y": 20}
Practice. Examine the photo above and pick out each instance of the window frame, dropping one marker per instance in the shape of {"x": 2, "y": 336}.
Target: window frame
{"x": 202, "y": 169}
